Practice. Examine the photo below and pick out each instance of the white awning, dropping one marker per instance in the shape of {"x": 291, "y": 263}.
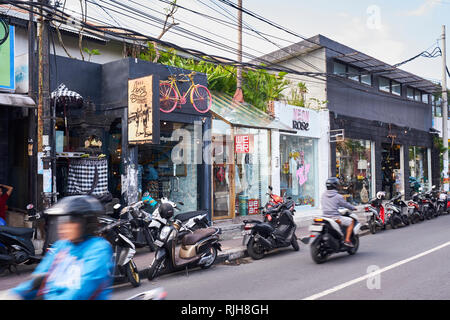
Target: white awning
{"x": 16, "y": 100}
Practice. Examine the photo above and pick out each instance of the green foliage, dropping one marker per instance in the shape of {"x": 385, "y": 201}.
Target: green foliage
{"x": 297, "y": 95}
{"x": 93, "y": 52}
{"x": 439, "y": 145}
{"x": 259, "y": 86}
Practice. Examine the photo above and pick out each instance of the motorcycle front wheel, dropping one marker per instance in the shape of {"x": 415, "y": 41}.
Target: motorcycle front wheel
{"x": 132, "y": 274}
{"x": 254, "y": 249}
{"x": 154, "y": 269}
{"x": 372, "y": 226}
{"x": 355, "y": 241}
{"x": 294, "y": 242}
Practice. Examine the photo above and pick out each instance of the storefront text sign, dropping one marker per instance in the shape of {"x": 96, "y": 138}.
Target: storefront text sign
{"x": 140, "y": 110}
{"x": 307, "y": 122}
{"x": 253, "y": 205}
{"x": 243, "y": 143}
{"x": 300, "y": 119}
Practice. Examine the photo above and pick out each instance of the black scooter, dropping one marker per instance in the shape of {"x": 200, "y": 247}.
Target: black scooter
{"x": 16, "y": 247}
{"x": 119, "y": 235}
{"x": 277, "y": 232}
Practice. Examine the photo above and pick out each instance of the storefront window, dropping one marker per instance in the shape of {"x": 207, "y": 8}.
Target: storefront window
{"x": 418, "y": 168}
{"x": 222, "y": 154}
{"x": 251, "y": 169}
{"x": 353, "y": 168}
{"x": 298, "y": 168}
{"x": 161, "y": 176}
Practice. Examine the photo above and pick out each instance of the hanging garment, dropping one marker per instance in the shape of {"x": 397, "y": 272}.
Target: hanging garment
{"x": 88, "y": 176}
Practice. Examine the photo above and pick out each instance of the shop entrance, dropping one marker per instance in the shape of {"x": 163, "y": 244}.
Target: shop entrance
{"x": 391, "y": 169}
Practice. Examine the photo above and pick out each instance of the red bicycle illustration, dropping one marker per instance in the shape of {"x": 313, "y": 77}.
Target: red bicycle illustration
{"x": 170, "y": 97}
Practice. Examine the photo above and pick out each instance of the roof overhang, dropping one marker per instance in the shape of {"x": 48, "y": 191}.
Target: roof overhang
{"x": 16, "y": 100}
{"x": 372, "y": 65}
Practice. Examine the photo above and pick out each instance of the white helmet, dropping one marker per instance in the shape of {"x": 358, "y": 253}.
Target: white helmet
{"x": 381, "y": 195}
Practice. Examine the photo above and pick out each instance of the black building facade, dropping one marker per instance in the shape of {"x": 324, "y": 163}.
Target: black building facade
{"x": 104, "y": 116}
{"x": 386, "y": 116}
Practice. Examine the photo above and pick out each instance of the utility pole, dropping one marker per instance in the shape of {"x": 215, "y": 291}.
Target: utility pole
{"x": 32, "y": 115}
{"x": 44, "y": 115}
{"x": 239, "y": 96}
{"x": 444, "y": 111}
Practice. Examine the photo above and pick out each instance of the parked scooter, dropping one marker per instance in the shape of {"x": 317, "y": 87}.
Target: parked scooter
{"x": 376, "y": 213}
{"x": 328, "y": 237}
{"x": 118, "y": 233}
{"x": 402, "y": 207}
{"x": 277, "y": 231}
{"x": 393, "y": 214}
{"x": 17, "y": 248}
{"x": 415, "y": 214}
{"x": 198, "y": 248}
{"x": 191, "y": 220}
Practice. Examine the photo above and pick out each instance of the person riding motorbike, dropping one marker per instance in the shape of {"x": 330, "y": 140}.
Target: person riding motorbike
{"x": 331, "y": 201}
{"x": 79, "y": 265}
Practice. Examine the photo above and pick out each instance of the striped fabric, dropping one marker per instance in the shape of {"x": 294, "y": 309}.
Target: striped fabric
{"x": 86, "y": 175}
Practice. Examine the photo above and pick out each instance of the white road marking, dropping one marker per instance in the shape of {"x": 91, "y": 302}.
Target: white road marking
{"x": 369, "y": 275}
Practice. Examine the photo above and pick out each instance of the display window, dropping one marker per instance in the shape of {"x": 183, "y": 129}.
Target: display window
{"x": 251, "y": 169}
{"x": 163, "y": 176}
{"x": 418, "y": 168}
{"x": 353, "y": 168}
{"x": 298, "y": 169}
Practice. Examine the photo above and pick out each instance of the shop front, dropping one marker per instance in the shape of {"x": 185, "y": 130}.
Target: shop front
{"x": 241, "y": 157}
{"x": 297, "y": 164}
{"x": 419, "y": 168}
{"x": 354, "y": 169}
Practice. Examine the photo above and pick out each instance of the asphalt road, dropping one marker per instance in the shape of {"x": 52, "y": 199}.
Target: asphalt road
{"x": 412, "y": 263}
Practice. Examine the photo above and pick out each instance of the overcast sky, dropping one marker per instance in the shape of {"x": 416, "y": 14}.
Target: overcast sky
{"x": 391, "y": 31}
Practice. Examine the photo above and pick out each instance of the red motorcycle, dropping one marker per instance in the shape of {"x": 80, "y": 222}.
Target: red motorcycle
{"x": 376, "y": 213}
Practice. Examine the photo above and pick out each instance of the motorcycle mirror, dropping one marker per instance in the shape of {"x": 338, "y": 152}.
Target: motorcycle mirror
{"x": 181, "y": 202}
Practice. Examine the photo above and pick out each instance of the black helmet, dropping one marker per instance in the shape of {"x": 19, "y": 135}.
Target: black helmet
{"x": 332, "y": 183}
{"x": 166, "y": 210}
{"x": 83, "y": 209}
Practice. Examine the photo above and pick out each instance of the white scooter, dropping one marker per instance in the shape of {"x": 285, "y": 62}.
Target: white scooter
{"x": 191, "y": 220}
{"x": 328, "y": 236}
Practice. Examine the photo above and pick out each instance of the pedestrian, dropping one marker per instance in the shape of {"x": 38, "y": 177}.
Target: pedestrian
{"x": 79, "y": 266}
{"x": 5, "y": 193}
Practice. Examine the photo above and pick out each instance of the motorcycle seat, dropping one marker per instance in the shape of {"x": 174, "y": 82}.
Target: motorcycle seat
{"x": 17, "y": 231}
{"x": 197, "y": 235}
{"x": 188, "y": 215}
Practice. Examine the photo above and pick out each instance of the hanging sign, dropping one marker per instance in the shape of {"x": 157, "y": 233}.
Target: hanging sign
{"x": 243, "y": 143}
{"x": 141, "y": 118}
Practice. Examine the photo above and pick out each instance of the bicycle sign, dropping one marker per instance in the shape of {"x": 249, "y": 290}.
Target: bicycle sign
{"x": 171, "y": 98}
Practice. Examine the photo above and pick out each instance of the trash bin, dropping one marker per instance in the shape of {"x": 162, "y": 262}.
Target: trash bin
{"x": 243, "y": 205}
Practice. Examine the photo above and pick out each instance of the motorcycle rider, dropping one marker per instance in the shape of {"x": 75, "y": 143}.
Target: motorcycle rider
{"x": 79, "y": 265}
{"x": 331, "y": 200}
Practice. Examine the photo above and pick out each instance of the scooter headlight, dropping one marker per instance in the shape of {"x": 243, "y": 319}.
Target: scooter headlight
{"x": 164, "y": 233}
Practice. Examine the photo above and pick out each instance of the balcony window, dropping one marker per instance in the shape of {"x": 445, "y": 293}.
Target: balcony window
{"x": 339, "y": 69}
{"x": 425, "y": 97}
{"x": 417, "y": 95}
{"x": 384, "y": 84}
{"x": 396, "y": 88}
{"x": 366, "y": 79}
{"x": 353, "y": 74}
{"x": 410, "y": 93}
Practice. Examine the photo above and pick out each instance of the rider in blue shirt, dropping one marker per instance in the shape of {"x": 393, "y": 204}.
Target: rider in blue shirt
{"x": 79, "y": 266}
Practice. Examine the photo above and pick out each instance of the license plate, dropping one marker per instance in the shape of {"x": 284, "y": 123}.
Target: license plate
{"x": 159, "y": 243}
{"x": 315, "y": 228}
